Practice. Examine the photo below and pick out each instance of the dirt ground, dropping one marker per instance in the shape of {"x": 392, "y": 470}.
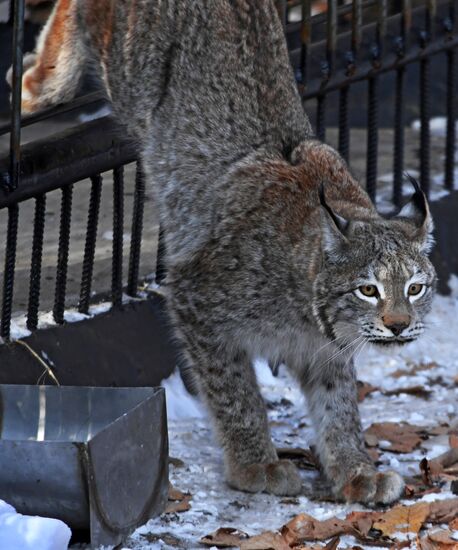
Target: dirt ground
{"x": 102, "y": 267}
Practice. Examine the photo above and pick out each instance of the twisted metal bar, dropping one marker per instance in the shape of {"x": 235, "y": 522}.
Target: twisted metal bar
{"x": 398, "y": 156}
{"x": 137, "y": 230}
{"x": 306, "y": 38}
{"x": 161, "y": 270}
{"x": 8, "y": 277}
{"x": 15, "y": 135}
{"x": 450, "y": 139}
{"x": 118, "y": 234}
{"x": 372, "y": 137}
{"x": 344, "y": 129}
{"x": 90, "y": 244}
{"x": 424, "y": 128}
{"x": 321, "y": 118}
{"x": 35, "y": 267}
{"x": 62, "y": 255}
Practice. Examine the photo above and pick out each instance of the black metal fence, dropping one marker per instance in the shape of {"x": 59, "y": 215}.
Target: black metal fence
{"x": 332, "y": 53}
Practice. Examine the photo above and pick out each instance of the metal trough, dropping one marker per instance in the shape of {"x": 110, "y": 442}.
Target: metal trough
{"x": 96, "y": 458}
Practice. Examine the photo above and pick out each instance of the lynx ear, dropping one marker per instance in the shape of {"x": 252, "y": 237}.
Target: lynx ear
{"x": 417, "y": 212}
{"x": 333, "y": 228}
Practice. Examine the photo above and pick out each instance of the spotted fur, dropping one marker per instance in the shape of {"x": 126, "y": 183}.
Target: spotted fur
{"x": 258, "y": 263}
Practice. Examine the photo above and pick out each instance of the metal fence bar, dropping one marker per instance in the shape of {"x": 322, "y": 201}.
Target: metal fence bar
{"x": 450, "y": 143}
{"x": 321, "y": 117}
{"x": 161, "y": 270}
{"x": 36, "y": 262}
{"x": 425, "y": 149}
{"x": 306, "y": 38}
{"x": 118, "y": 235}
{"x": 137, "y": 230}
{"x": 8, "y": 274}
{"x": 62, "y": 255}
{"x": 90, "y": 244}
{"x": 15, "y": 135}
{"x": 372, "y": 101}
{"x": 344, "y": 128}
{"x": 398, "y": 153}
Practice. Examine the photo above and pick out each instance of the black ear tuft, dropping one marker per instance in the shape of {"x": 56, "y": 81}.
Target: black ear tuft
{"x": 417, "y": 211}
{"x": 418, "y": 198}
{"x": 340, "y": 223}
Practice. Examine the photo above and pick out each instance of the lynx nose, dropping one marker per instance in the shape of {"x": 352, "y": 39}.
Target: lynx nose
{"x": 396, "y": 323}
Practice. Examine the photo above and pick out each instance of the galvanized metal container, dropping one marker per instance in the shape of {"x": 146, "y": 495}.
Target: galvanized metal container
{"x": 96, "y": 458}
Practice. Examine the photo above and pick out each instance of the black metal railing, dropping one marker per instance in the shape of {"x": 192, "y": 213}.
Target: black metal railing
{"x": 331, "y": 53}
{"x": 413, "y": 32}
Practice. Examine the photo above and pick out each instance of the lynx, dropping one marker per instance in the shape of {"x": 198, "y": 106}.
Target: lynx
{"x": 273, "y": 248}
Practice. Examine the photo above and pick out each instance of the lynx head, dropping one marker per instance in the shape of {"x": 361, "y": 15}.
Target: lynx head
{"x": 376, "y": 283}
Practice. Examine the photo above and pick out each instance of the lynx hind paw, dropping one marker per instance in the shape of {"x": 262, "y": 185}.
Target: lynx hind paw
{"x": 29, "y": 61}
{"x": 30, "y": 84}
{"x": 279, "y": 478}
{"x": 369, "y": 486}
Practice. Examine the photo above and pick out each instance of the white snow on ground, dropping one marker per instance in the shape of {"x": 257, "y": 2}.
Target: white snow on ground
{"x": 18, "y": 532}
{"x": 192, "y": 440}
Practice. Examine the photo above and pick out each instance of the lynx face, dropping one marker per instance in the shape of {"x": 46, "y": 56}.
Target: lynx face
{"x": 377, "y": 282}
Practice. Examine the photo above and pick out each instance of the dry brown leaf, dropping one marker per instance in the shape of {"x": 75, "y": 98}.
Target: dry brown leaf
{"x": 417, "y": 391}
{"x": 453, "y": 441}
{"x": 440, "y": 466}
{"x": 454, "y": 524}
{"x": 305, "y": 459}
{"x": 265, "y": 541}
{"x": 224, "y": 537}
{"x": 443, "y": 511}
{"x": 403, "y": 519}
{"x": 364, "y": 389}
{"x": 306, "y": 528}
{"x": 178, "y": 506}
{"x": 441, "y": 539}
{"x": 403, "y": 437}
{"x": 415, "y": 368}
{"x": 178, "y": 501}
{"x": 332, "y": 544}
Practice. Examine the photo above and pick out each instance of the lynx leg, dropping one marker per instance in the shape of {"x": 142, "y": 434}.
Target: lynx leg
{"x": 228, "y": 383}
{"x": 334, "y": 409}
{"x": 53, "y": 71}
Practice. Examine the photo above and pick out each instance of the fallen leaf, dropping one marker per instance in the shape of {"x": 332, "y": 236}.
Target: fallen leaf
{"x": 292, "y": 501}
{"x": 443, "y": 511}
{"x": 415, "y": 368}
{"x": 403, "y": 519}
{"x": 453, "y": 441}
{"x": 363, "y": 525}
{"x": 441, "y": 539}
{"x": 306, "y": 528}
{"x": 438, "y": 467}
{"x": 178, "y": 501}
{"x": 168, "y": 538}
{"x": 332, "y": 544}
{"x": 454, "y": 524}
{"x": 364, "y": 389}
{"x": 224, "y": 537}
{"x": 305, "y": 459}
{"x": 417, "y": 391}
{"x": 403, "y": 437}
{"x": 177, "y": 462}
{"x": 180, "y": 506}
{"x": 265, "y": 541}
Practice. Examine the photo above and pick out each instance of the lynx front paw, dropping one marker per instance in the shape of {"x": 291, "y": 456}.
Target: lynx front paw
{"x": 369, "y": 486}
{"x": 278, "y": 478}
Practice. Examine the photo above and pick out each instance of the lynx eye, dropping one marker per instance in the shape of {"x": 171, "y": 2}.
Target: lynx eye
{"x": 415, "y": 289}
{"x": 369, "y": 290}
